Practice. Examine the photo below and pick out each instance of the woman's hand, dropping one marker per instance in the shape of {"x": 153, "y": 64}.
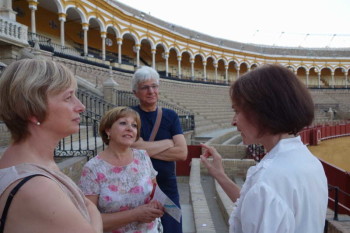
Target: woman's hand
{"x": 215, "y": 167}
{"x": 148, "y": 212}
{"x": 157, "y": 205}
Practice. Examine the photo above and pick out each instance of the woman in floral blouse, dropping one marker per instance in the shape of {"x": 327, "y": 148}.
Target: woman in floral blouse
{"x": 119, "y": 180}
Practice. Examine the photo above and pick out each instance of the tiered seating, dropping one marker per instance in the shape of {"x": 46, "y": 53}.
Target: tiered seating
{"x": 337, "y": 99}
{"x": 210, "y": 103}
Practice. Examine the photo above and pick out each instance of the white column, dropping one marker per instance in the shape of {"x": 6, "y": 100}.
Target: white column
{"x": 103, "y": 37}
{"x": 307, "y": 78}
{"x": 153, "y": 51}
{"x": 226, "y": 73}
{"x": 216, "y": 71}
{"x": 136, "y": 49}
{"x": 192, "y": 68}
{"x": 237, "y": 73}
{"x": 120, "y": 42}
{"x": 179, "y": 66}
{"x": 165, "y": 55}
{"x": 333, "y": 81}
{"x": 205, "y": 70}
{"x": 6, "y": 10}
{"x": 62, "y": 19}
{"x": 346, "y": 77}
{"x": 33, "y": 8}
{"x": 85, "y": 29}
{"x": 319, "y": 79}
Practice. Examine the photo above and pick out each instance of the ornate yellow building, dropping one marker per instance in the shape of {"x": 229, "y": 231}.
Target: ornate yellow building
{"x": 110, "y": 33}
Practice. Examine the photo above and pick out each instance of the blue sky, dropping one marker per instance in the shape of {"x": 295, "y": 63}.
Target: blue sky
{"x": 306, "y": 23}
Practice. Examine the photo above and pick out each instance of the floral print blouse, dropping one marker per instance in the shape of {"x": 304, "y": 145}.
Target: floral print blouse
{"x": 121, "y": 188}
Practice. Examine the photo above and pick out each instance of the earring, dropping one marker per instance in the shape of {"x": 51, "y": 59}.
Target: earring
{"x": 37, "y": 123}
{"x": 108, "y": 136}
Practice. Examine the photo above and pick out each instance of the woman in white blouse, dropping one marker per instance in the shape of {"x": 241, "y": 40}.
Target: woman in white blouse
{"x": 287, "y": 191}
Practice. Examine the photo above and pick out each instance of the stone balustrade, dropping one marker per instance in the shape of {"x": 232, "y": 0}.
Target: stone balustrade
{"x": 13, "y": 32}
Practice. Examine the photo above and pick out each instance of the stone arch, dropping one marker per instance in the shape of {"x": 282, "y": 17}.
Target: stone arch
{"x": 59, "y": 5}
{"x": 313, "y": 76}
{"x": 81, "y": 11}
{"x": 132, "y": 34}
{"x": 94, "y": 16}
{"x": 146, "y": 47}
{"x": 211, "y": 60}
{"x": 186, "y": 56}
{"x": 326, "y": 77}
{"x": 199, "y": 69}
{"x": 221, "y": 71}
{"x": 301, "y": 73}
{"x": 243, "y": 68}
{"x": 232, "y": 70}
{"x": 129, "y": 42}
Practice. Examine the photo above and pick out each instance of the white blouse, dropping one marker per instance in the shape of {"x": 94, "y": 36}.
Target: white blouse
{"x": 286, "y": 192}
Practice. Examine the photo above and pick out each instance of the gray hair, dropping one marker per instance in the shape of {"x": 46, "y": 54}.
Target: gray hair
{"x": 144, "y": 73}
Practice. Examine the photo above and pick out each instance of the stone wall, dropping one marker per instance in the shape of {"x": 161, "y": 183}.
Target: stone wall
{"x": 72, "y": 167}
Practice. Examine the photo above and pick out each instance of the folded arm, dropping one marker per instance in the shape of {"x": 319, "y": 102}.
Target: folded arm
{"x": 175, "y": 153}
{"x": 153, "y": 147}
{"x": 167, "y": 149}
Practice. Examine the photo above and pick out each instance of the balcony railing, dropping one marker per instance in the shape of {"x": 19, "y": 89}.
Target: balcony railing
{"x": 13, "y": 32}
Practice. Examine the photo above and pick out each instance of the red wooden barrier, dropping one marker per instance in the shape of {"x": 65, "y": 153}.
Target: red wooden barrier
{"x": 336, "y": 177}
{"x": 337, "y": 130}
{"x": 328, "y": 131}
{"x": 339, "y": 178}
{"x": 323, "y": 132}
{"x": 183, "y": 168}
{"x": 333, "y": 133}
{"x": 307, "y": 136}
{"x": 342, "y": 129}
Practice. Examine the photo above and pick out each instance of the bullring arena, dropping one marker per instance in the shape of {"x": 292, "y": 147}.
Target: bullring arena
{"x": 103, "y": 42}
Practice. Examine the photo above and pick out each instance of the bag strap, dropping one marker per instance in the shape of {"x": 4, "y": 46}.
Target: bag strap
{"x": 156, "y": 124}
{"x": 9, "y": 200}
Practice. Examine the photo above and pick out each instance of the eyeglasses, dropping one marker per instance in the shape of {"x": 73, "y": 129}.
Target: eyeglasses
{"x": 146, "y": 88}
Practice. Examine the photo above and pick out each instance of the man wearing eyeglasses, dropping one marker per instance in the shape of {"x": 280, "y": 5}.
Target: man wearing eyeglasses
{"x": 162, "y": 138}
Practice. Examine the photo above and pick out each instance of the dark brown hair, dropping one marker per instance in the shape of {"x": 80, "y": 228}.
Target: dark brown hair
{"x": 274, "y": 99}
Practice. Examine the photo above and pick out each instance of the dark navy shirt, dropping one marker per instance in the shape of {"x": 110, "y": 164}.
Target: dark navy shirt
{"x": 169, "y": 127}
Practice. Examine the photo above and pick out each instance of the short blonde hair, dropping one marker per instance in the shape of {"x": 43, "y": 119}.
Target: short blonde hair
{"x": 112, "y": 116}
{"x": 24, "y": 86}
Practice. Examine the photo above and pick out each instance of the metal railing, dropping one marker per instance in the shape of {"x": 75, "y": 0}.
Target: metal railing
{"x": 94, "y": 104}
{"x": 337, "y": 191}
{"x": 84, "y": 143}
{"x": 87, "y": 141}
